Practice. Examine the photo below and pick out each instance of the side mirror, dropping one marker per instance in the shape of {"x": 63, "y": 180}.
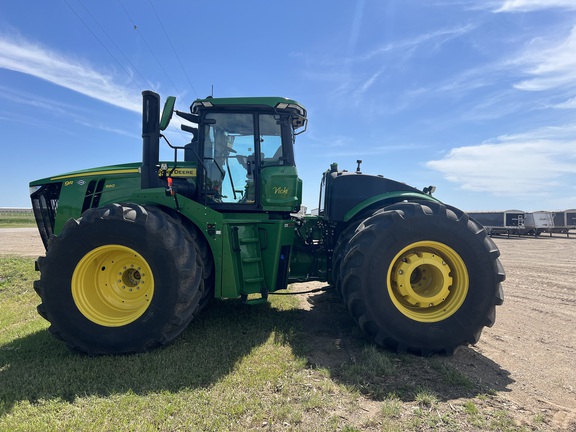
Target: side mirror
{"x": 167, "y": 112}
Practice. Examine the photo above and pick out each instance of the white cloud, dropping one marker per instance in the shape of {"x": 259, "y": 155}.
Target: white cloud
{"x": 435, "y": 38}
{"x": 32, "y": 59}
{"x": 564, "y": 133}
{"x": 353, "y": 76}
{"x": 551, "y": 65}
{"x": 534, "y": 5}
{"x": 105, "y": 128}
{"x": 38, "y": 103}
{"x": 569, "y": 104}
{"x": 524, "y": 165}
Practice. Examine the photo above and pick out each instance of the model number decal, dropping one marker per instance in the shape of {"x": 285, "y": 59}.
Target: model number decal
{"x": 279, "y": 190}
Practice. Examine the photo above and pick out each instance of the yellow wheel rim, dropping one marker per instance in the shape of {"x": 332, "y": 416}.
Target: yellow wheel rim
{"x": 112, "y": 285}
{"x": 427, "y": 281}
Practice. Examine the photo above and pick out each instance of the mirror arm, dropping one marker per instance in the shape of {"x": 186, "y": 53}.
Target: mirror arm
{"x": 193, "y": 118}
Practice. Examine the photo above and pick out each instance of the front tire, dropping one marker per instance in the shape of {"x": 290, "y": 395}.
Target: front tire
{"x": 121, "y": 279}
{"x": 422, "y": 277}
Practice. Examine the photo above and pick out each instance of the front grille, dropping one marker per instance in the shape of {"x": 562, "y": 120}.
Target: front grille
{"x": 44, "y": 205}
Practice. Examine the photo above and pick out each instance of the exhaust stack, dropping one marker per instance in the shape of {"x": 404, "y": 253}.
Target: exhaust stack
{"x": 150, "y": 139}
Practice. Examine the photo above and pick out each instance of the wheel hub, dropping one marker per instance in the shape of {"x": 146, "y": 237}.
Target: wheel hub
{"x": 112, "y": 285}
{"x": 422, "y": 279}
{"x": 427, "y": 281}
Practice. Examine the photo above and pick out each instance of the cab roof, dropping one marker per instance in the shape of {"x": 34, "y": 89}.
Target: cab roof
{"x": 274, "y": 102}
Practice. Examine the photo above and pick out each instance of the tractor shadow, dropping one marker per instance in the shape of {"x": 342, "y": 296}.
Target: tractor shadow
{"x": 330, "y": 339}
{"x": 37, "y": 368}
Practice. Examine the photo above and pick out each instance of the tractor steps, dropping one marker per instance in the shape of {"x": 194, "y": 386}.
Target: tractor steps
{"x": 248, "y": 249}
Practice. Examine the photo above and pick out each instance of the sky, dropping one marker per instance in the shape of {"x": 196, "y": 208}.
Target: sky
{"x": 477, "y": 98}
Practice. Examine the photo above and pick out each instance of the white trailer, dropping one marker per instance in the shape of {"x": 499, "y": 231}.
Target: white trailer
{"x": 538, "y": 222}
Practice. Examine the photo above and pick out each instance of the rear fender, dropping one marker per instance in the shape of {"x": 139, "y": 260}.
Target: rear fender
{"x": 386, "y": 199}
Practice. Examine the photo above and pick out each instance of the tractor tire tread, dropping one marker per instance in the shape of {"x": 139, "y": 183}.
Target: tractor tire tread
{"x": 380, "y": 227}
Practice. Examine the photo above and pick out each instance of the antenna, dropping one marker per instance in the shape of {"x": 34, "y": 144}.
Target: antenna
{"x": 212, "y": 90}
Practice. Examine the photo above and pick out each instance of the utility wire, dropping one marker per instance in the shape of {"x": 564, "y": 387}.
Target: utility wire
{"x": 103, "y": 46}
{"x": 173, "y": 49}
{"x": 150, "y": 49}
{"x": 148, "y": 84}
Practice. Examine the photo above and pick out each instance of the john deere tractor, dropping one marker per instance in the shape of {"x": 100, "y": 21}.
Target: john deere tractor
{"x": 134, "y": 252}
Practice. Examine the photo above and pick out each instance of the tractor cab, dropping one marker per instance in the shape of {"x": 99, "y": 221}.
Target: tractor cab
{"x": 242, "y": 149}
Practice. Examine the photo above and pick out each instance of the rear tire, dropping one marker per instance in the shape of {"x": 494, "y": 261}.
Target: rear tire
{"x": 121, "y": 279}
{"x": 422, "y": 277}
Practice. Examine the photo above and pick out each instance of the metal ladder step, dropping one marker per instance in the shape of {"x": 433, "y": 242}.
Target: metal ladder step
{"x": 254, "y": 280}
{"x": 252, "y": 260}
{"x": 250, "y": 240}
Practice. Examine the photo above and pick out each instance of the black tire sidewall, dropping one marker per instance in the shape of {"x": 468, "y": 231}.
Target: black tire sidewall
{"x": 61, "y": 261}
{"x": 390, "y": 235}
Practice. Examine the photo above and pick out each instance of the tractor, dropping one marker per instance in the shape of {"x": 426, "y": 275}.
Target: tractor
{"x": 134, "y": 252}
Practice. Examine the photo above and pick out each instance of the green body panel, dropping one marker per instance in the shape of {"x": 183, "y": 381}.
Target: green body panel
{"x": 281, "y": 189}
{"x": 128, "y": 168}
{"x": 77, "y": 195}
{"x": 98, "y": 186}
{"x": 255, "y": 258}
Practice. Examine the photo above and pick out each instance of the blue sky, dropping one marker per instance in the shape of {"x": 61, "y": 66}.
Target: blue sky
{"x": 475, "y": 97}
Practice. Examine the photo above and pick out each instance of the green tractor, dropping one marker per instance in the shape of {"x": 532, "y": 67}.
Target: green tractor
{"x": 136, "y": 251}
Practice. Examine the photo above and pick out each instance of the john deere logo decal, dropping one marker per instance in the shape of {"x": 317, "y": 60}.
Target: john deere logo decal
{"x": 181, "y": 172}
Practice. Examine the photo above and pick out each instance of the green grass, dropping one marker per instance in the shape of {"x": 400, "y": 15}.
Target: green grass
{"x": 16, "y": 220}
{"x": 236, "y": 368}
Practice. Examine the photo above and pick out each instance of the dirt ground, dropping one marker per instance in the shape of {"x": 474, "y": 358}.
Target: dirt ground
{"x": 528, "y": 357}
{"x": 534, "y": 339}
{"x": 21, "y": 241}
